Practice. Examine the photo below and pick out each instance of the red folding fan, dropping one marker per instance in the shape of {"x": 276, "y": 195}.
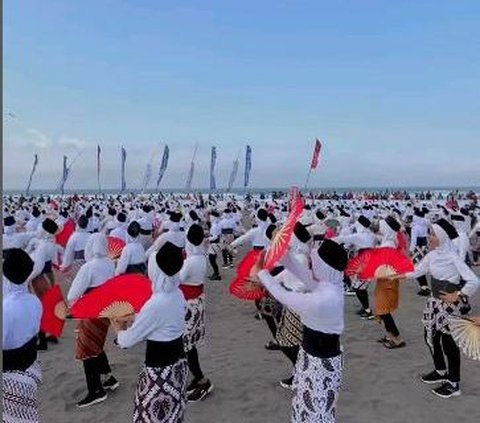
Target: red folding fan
{"x": 281, "y": 240}
{"x": 378, "y": 263}
{"x": 54, "y": 312}
{"x": 68, "y": 229}
{"x": 118, "y": 297}
{"x": 115, "y": 247}
{"x": 242, "y": 287}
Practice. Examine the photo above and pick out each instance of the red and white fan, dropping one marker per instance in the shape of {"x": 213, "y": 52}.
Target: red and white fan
{"x": 243, "y": 287}
{"x": 54, "y": 312}
{"x": 115, "y": 247}
{"x": 376, "y": 263}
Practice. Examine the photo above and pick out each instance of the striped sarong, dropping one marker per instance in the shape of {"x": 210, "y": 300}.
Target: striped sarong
{"x": 91, "y": 336}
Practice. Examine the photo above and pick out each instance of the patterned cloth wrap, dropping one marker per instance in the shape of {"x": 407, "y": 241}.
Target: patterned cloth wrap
{"x": 161, "y": 393}
{"x": 195, "y": 323}
{"x": 91, "y": 336}
{"x": 290, "y": 329}
{"x": 435, "y": 317}
{"x": 316, "y": 385}
{"x": 20, "y": 388}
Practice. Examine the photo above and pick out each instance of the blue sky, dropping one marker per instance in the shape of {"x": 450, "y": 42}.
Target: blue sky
{"x": 391, "y": 88}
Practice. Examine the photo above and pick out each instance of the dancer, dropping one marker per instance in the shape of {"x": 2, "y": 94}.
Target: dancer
{"x": 22, "y": 311}
{"x": 132, "y": 258}
{"x": 418, "y": 246}
{"x": 193, "y": 276}
{"x": 92, "y": 333}
{"x": 161, "y": 389}
{"x": 74, "y": 255}
{"x": 214, "y": 245}
{"x": 318, "y": 373}
{"x": 448, "y": 297}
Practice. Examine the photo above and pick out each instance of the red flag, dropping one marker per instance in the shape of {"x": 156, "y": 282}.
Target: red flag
{"x": 316, "y": 154}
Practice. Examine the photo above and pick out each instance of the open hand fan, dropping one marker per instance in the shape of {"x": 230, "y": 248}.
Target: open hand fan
{"x": 466, "y": 334}
{"x": 54, "y": 312}
{"x": 243, "y": 288}
{"x": 281, "y": 240}
{"x": 357, "y": 264}
{"x": 382, "y": 262}
{"x": 118, "y": 297}
{"x": 115, "y": 247}
{"x": 68, "y": 229}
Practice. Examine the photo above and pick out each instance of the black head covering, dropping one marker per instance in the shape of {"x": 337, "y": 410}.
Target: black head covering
{"x": 35, "y": 212}
{"x": 133, "y": 229}
{"x": 193, "y": 215}
{"x": 320, "y": 215}
{"x": 447, "y": 227}
{"x": 301, "y": 232}
{"x": 17, "y": 265}
{"x": 272, "y": 218}
{"x": 9, "y": 221}
{"x": 176, "y": 217}
{"x": 215, "y": 214}
{"x": 147, "y": 209}
{"x": 366, "y": 223}
{"x": 121, "y": 217}
{"x": 195, "y": 235}
{"x": 333, "y": 254}
{"x": 83, "y": 222}
{"x": 458, "y": 217}
{"x": 112, "y": 211}
{"x": 169, "y": 258}
{"x": 262, "y": 215}
{"x": 50, "y": 226}
{"x": 390, "y": 221}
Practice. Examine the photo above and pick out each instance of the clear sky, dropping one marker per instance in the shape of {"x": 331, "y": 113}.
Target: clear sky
{"x": 392, "y": 88}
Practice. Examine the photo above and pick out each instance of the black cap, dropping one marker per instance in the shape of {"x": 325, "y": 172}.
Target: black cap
{"x": 176, "y": 217}
{"x": 269, "y": 231}
{"x": 320, "y": 215}
{"x": 366, "y": 223}
{"x": 448, "y": 228}
{"x": 169, "y": 258}
{"x": 17, "y": 265}
{"x": 390, "y": 221}
{"x": 50, "y": 226}
{"x": 262, "y": 215}
{"x": 83, "y": 222}
{"x": 193, "y": 215}
{"x": 301, "y": 232}
{"x": 333, "y": 254}
{"x": 195, "y": 235}
{"x": 122, "y": 217}
{"x": 9, "y": 221}
{"x": 133, "y": 229}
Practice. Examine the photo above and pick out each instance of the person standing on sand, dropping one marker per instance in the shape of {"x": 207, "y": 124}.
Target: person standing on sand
{"x": 160, "y": 396}
{"x": 449, "y": 296}
{"x": 319, "y": 367}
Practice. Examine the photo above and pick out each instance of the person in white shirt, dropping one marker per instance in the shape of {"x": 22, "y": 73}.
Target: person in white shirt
{"x": 120, "y": 230}
{"x": 132, "y": 259}
{"x": 449, "y": 297}
{"x": 173, "y": 234}
{"x": 13, "y": 239}
{"x": 318, "y": 372}
{"x": 35, "y": 221}
{"x": 214, "y": 246}
{"x": 418, "y": 245}
{"x": 92, "y": 333}
{"x": 74, "y": 254}
{"x": 22, "y": 313}
{"x": 461, "y": 243}
{"x": 146, "y": 226}
{"x": 192, "y": 277}
{"x": 162, "y": 383}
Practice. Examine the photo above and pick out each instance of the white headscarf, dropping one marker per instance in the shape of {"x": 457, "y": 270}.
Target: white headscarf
{"x": 96, "y": 247}
{"x": 322, "y": 272}
{"x": 389, "y": 236}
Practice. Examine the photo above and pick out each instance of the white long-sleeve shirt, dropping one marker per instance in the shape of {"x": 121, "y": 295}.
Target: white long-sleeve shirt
{"x": 359, "y": 240}
{"x": 91, "y": 275}
{"x": 447, "y": 266}
{"x": 76, "y": 242}
{"x": 45, "y": 251}
{"x": 120, "y": 232}
{"x": 176, "y": 237}
{"x": 320, "y": 310}
{"x": 132, "y": 253}
{"x": 194, "y": 270}
{"x": 162, "y": 318}
{"x": 256, "y": 236}
{"x": 22, "y": 312}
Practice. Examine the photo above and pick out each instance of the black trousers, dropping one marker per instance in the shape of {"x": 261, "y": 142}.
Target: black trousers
{"x": 422, "y": 281}
{"x": 194, "y": 363}
{"x": 95, "y": 367}
{"x": 291, "y": 353}
{"x": 445, "y": 346}
{"x": 362, "y": 295}
{"x": 390, "y": 325}
{"x": 212, "y": 258}
{"x": 227, "y": 257}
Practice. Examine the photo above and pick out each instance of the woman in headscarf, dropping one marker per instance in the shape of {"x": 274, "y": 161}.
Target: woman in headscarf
{"x": 132, "y": 259}
{"x": 450, "y": 296}
{"x": 22, "y": 311}
{"x": 387, "y": 289}
{"x": 92, "y": 333}
{"x": 192, "y": 277}
{"x": 161, "y": 389}
{"x": 318, "y": 372}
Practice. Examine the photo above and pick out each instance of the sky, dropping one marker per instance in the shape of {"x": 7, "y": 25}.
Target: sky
{"x": 392, "y": 89}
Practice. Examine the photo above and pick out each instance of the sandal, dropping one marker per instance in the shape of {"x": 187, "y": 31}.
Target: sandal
{"x": 383, "y": 340}
{"x": 392, "y": 345}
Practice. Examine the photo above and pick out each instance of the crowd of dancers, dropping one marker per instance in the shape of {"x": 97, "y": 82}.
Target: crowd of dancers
{"x": 181, "y": 242}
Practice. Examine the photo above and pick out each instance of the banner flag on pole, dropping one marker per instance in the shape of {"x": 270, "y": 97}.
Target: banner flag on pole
{"x": 316, "y": 154}
{"x": 213, "y": 160}
{"x": 188, "y": 185}
{"x": 163, "y": 165}
{"x": 124, "y": 159}
{"x": 233, "y": 175}
{"x": 99, "y": 151}
{"x": 35, "y": 163}
{"x": 248, "y": 165}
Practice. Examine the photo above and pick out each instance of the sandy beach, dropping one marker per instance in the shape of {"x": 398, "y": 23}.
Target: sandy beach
{"x": 380, "y": 385}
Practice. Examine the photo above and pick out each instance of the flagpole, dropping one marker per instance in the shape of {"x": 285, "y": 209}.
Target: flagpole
{"x": 308, "y": 178}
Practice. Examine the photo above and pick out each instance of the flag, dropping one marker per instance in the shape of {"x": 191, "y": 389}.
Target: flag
{"x": 99, "y": 151}
{"x": 213, "y": 160}
{"x": 316, "y": 154}
{"x": 188, "y": 185}
{"x": 35, "y": 163}
{"x": 248, "y": 165}
{"x": 65, "y": 172}
{"x": 124, "y": 159}
{"x": 163, "y": 165}
{"x": 233, "y": 175}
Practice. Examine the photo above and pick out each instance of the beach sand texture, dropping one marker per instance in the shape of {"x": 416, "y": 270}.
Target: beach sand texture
{"x": 379, "y": 385}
